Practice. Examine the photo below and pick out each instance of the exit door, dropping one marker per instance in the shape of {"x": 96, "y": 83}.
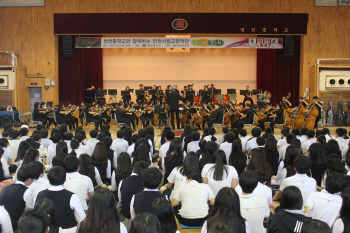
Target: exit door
{"x": 35, "y": 96}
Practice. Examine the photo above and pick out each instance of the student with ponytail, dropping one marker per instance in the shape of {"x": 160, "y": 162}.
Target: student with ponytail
{"x": 211, "y": 137}
{"x": 74, "y": 144}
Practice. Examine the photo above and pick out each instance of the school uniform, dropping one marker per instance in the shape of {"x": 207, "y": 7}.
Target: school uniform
{"x": 51, "y": 153}
{"x": 141, "y": 202}
{"x": 68, "y": 206}
{"x": 193, "y": 146}
{"x": 91, "y": 145}
{"x": 5, "y": 221}
{"x": 251, "y": 144}
{"x": 244, "y": 141}
{"x": 45, "y": 142}
{"x": 39, "y": 185}
{"x": 227, "y": 148}
{"x": 308, "y": 143}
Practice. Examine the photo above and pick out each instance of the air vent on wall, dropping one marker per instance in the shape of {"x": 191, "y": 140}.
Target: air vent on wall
{"x": 334, "y": 81}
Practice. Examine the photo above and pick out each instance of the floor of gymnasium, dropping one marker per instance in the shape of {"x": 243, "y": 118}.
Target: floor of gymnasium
{"x": 158, "y": 134}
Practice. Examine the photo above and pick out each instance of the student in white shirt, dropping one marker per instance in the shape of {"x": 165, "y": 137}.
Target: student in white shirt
{"x": 80, "y": 139}
{"x": 226, "y": 210}
{"x": 253, "y": 208}
{"x": 23, "y": 147}
{"x": 39, "y": 183}
{"x": 45, "y": 142}
{"x": 169, "y": 136}
{"x": 92, "y": 142}
{"x": 325, "y": 205}
{"x": 244, "y": 138}
{"x": 310, "y": 134}
{"x": 282, "y": 149}
{"x": 24, "y": 132}
{"x": 32, "y": 154}
{"x": 162, "y": 138}
{"x": 133, "y": 139}
{"x": 222, "y": 137}
{"x": 119, "y": 145}
{"x": 75, "y": 148}
{"x": 194, "y": 197}
{"x": 283, "y": 141}
{"x": 193, "y": 145}
{"x": 51, "y": 151}
{"x": 339, "y": 134}
{"x": 303, "y": 137}
{"x": 211, "y": 137}
{"x": 4, "y": 144}
{"x": 227, "y": 146}
{"x": 76, "y": 182}
{"x": 326, "y": 133}
{"x": 261, "y": 190}
{"x": 5, "y": 221}
{"x": 342, "y": 223}
{"x": 251, "y": 143}
{"x": 307, "y": 185}
{"x": 14, "y": 142}
{"x": 67, "y": 138}
{"x": 100, "y": 160}
{"x": 162, "y": 209}
{"x": 219, "y": 175}
{"x": 4, "y": 166}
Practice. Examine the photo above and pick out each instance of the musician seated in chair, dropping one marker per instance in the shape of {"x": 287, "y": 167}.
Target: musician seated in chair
{"x": 269, "y": 117}
{"x": 206, "y": 108}
{"x": 123, "y": 116}
{"x": 279, "y": 118}
{"x": 246, "y": 118}
{"x": 216, "y": 117}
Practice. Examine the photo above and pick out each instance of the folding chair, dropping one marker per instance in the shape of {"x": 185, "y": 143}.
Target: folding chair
{"x": 32, "y": 121}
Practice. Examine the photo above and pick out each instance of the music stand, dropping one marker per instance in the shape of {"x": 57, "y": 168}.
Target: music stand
{"x": 193, "y": 110}
{"x": 137, "y": 107}
{"x": 140, "y": 92}
{"x": 124, "y": 93}
{"x": 156, "y": 109}
{"x": 231, "y": 91}
{"x": 205, "y": 93}
{"x": 112, "y": 92}
{"x": 152, "y": 92}
{"x": 167, "y": 92}
{"x": 189, "y": 93}
{"x": 217, "y": 91}
{"x": 256, "y": 92}
{"x": 261, "y": 104}
{"x": 147, "y": 88}
{"x": 101, "y": 92}
{"x": 244, "y": 92}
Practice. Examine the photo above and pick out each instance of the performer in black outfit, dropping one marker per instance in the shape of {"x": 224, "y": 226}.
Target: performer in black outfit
{"x": 61, "y": 116}
{"x": 72, "y": 110}
{"x": 217, "y": 116}
{"x": 319, "y": 106}
{"x": 246, "y": 118}
{"x": 154, "y": 98}
{"x": 163, "y": 117}
{"x": 104, "y": 114}
{"x": 206, "y": 108}
{"x": 269, "y": 117}
{"x": 44, "y": 111}
{"x": 247, "y": 98}
{"x": 81, "y": 109}
{"x": 126, "y": 98}
{"x": 161, "y": 95}
{"x": 37, "y": 114}
{"x": 206, "y": 99}
{"x": 92, "y": 115}
{"x": 144, "y": 116}
{"x": 123, "y": 116}
{"x": 173, "y": 99}
{"x": 278, "y": 117}
{"x": 140, "y": 98}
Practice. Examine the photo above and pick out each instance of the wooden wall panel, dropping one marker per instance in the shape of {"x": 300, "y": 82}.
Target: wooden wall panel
{"x": 6, "y": 98}
{"x": 28, "y": 31}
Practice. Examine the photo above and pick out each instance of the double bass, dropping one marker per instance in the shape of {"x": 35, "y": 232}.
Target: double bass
{"x": 287, "y": 112}
{"x": 300, "y": 116}
{"x": 310, "y": 117}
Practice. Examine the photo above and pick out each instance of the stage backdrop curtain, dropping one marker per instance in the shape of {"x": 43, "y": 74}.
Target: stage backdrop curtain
{"x": 278, "y": 74}
{"x": 79, "y": 72}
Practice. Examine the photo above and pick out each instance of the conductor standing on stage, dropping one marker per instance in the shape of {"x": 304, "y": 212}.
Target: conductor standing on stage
{"x": 173, "y": 100}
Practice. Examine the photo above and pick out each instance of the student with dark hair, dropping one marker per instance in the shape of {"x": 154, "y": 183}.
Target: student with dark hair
{"x": 307, "y": 185}
{"x": 310, "y": 136}
{"x": 17, "y": 197}
{"x": 339, "y": 134}
{"x": 325, "y": 205}
{"x": 238, "y": 158}
{"x": 30, "y": 156}
{"x": 282, "y": 141}
{"x": 33, "y": 221}
{"x": 190, "y": 202}
{"x": 222, "y": 138}
{"x": 201, "y": 152}
{"x": 260, "y": 141}
{"x": 315, "y": 226}
{"x": 334, "y": 164}
{"x": 14, "y": 142}
{"x": 173, "y": 158}
{"x": 39, "y": 183}
{"x": 86, "y": 168}
{"x": 165, "y": 146}
{"x": 253, "y": 208}
{"x": 342, "y": 224}
{"x": 319, "y": 162}
{"x": 193, "y": 145}
{"x": 211, "y": 137}
{"x": 179, "y": 175}
{"x": 147, "y": 142}
{"x": 110, "y": 153}
{"x": 122, "y": 171}
{"x": 4, "y": 167}
{"x": 258, "y": 162}
{"x": 130, "y": 186}
{"x": 161, "y": 208}
{"x": 119, "y": 145}
{"x": 68, "y": 206}
{"x": 7, "y": 155}
{"x": 141, "y": 202}
{"x": 92, "y": 142}
{"x": 145, "y": 223}
{"x": 45, "y": 142}
{"x": 75, "y": 145}
{"x": 210, "y": 147}
{"x": 102, "y": 215}
{"x": 219, "y": 228}
{"x": 133, "y": 139}
{"x": 77, "y": 183}
{"x": 141, "y": 153}
{"x": 24, "y": 132}
{"x": 244, "y": 138}
{"x": 227, "y": 145}
{"x": 51, "y": 151}
{"x": 219, "y": 174}
{"x": 251, "y": 143}
{"x": 23, "y": 147}
{"x": 282, "y": 149}
{"x": 272, "y": 155}
{"x": 226, "y": 210}
{"x": 100, "y": 160}
{"x": 61, "y": 153}
{"x": 291, "y": 217}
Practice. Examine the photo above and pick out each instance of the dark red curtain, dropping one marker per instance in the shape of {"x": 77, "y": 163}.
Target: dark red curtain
{"x": 278, "y": 74}
{"x": 79, "y": 72}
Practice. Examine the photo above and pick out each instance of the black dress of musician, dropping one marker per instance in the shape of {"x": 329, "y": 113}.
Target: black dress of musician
{"x": 44, "y": 115}
{"x": 206, "y": 98}
{"x": 247, "y": 98}
{"x": 73, "y": 119}
{"x": 173, "y": 99}
{"x": 140, "y": 98}
{"x": 81, "y": 109}
{"x": 154, "y": 98}
{"x": 278, "y": 117}
{"x": 123, "y": 116}
{"x": 269, "y": 118}
{"x": 163, "y": 117}
{"x": 91, "y": 116}
{"x": 133, "y": 116}
{"x": 206, "y": 108}
{"x": 104, "y": 114}
{"x": 61, "y": 116}
{"x": 37, "y": 114}
{"x": 247, "y": 118}
{"x": 126, "y": 98}
{"x": 144, "y": 116}
{"x": 217, "y": 116}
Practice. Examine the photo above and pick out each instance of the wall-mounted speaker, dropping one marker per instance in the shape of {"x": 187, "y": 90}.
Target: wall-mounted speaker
{"x": 289, "y": 46}
{"x": 6, "y": 122}
{"x": 67, "y": 46}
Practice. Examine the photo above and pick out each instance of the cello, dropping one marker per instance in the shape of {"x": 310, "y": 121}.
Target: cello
{"x": 227, "y": 118}
{"x": 310, "y": 117}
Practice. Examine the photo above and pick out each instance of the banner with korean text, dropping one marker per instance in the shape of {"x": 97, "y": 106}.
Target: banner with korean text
{"x": 179, "y": 42}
